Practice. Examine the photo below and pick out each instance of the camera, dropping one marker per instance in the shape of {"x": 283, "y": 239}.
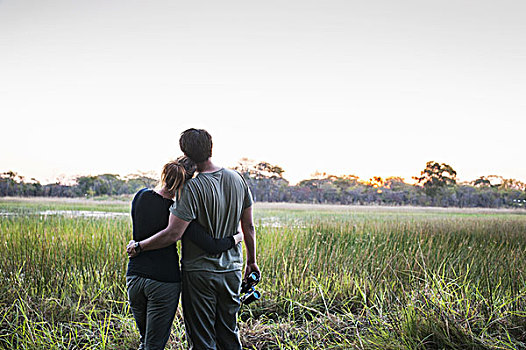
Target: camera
{"x": 248, "y": 288}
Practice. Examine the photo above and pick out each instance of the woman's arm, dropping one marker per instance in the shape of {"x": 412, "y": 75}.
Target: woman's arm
{"x": 200, "y": 237}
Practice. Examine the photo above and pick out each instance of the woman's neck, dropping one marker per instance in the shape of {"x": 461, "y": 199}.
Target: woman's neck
{"x": 165, "y": 193}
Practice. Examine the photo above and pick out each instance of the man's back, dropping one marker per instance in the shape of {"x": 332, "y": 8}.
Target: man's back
{"x": 216, "y": 200}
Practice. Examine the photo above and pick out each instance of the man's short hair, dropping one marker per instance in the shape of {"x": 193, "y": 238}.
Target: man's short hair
{"x": 196, "y": 144}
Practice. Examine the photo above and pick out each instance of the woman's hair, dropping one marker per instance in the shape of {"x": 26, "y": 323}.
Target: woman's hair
{"x": 176, "y": 173}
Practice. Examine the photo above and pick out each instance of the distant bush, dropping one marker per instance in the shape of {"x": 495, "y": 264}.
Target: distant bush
{"x": 268, "y": 185}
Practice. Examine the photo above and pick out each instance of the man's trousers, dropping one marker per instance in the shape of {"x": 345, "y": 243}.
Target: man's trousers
{"x": 210, "y": 307}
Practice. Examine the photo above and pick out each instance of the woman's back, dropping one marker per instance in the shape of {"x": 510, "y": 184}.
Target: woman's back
{"x": 150, "y": 212}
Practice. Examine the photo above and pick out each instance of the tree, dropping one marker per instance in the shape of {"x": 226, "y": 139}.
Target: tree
{"x": 481, "y": 182}
{"x": 375, "y": 182}
{"x": 264, "y": 179}
{"x": 142, "y": 179}
{"x": 513, "y": 184}
{"x": 135, "y": 182}
{"x": 259, "y": 170}
{"x": 8, "y": 183}
{"x": 104, "y": 184}
{"x": 395, "y": 183}
{"x": 436, "y": 176}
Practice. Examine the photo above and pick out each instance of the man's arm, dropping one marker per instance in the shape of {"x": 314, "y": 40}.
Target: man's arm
{"x": 249, "y": 234}
{"x": 171, "y": 234}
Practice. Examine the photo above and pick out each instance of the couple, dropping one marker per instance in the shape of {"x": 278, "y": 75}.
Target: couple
{"x": 206, "y": 215}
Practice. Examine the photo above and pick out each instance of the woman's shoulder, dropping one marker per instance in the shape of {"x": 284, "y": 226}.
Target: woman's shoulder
{"x": 142, "y": 191}
{"x": 152, "y": 194}
{"x": 149, "y": 197}
{"x": 147, "y": 194}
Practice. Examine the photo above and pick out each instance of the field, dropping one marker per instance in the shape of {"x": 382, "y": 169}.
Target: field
{"x": 334, "y": 277}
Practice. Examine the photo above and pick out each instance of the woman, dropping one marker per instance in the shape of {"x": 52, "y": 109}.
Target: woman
{"x": 153, "y": 279}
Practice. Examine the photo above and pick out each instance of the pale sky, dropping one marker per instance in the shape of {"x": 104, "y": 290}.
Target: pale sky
{"x": 371, "y": 88}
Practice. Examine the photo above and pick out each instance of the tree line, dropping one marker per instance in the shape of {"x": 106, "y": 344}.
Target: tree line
{"x": 13, "y": 184}
{"x": 436, "y": 185}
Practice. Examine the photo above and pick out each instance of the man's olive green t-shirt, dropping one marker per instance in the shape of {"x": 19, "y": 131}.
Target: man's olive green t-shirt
{"x": 216, "y": 200}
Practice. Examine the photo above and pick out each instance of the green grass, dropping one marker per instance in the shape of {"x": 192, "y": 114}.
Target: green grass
{"x": 333, "y": 278}
{"x": 33, "y": 205}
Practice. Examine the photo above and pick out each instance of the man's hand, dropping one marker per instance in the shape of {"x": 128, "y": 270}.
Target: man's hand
{"x": 253, "y": 267}
{"x": 130, "y": 249}
{"x": 249, "y": 232}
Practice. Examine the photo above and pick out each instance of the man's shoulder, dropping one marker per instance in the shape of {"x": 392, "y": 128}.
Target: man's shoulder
{"x": 232, "y": 172}
{"x": 225, "y": 176}
{"x": 191, "y": 184}
{"x": 221, "y": 173}
{"x": 196, "y": 183}
{"x": 235, "y": 176}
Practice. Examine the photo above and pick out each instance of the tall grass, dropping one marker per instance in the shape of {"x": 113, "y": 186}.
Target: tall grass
{"x": 406, "y": 282}
{"x": 338, "y": 279}
{"x": 62, "y": 277}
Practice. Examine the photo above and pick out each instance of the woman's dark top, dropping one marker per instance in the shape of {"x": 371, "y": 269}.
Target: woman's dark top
{"x": 150, "y": 213}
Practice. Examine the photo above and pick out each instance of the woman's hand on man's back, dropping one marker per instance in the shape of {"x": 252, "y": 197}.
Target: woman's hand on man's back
{"x": 238, "y": 237}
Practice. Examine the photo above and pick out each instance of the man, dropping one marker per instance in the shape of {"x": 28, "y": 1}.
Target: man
{"x": 218, "y": 199}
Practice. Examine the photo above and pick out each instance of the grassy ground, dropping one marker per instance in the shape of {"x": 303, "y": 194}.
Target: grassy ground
{"x": 333, "y": 278}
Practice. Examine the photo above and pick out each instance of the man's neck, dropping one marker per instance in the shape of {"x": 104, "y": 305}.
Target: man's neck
{"x": 207, "y": 166}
